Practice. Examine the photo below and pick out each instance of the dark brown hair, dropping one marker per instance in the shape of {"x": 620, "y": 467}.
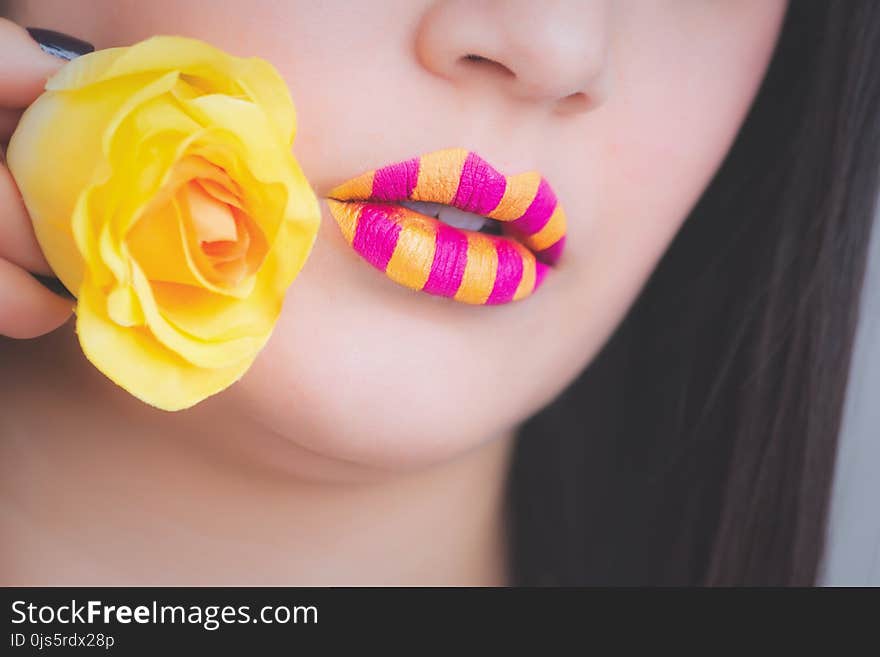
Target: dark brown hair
{"x": 699, "y": 446}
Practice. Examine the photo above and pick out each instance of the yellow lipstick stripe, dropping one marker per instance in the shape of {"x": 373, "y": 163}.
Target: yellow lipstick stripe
{"x": 439, "y": 175}
{"x": 410, "y": 264}
{"x": 551, "y": 233}
{"x": 518, "y": 196}
{"x": 479, "y": 273}
{"x": 346, "y": 215}
{"x": 527, "y": 282}
{"x": 359, "y": 188}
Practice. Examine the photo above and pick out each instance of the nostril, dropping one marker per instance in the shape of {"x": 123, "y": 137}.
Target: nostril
{"x": 575, "y": 103}
{"x": 487, "y": 64}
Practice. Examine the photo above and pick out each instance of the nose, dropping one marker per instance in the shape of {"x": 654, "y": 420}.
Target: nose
{"x": 551, "y": 52}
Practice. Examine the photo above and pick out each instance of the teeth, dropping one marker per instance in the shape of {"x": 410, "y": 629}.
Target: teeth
{"x": 460, "y": 219}
{"x": 448, "y": 214}
{"x": 429, "y": 209}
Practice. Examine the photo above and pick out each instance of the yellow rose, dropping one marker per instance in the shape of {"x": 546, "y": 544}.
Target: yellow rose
{"x": 165, "y": 196}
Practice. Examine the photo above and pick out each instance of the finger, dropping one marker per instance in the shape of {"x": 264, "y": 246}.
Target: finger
{"x": 18, "y": 243}
{"x": 8, "y": 120}
{"x": 27, "y": 309}
{"x": 24, "y": 67}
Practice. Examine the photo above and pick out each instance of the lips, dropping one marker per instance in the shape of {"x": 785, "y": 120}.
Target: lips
{"x": 423, "y": 253}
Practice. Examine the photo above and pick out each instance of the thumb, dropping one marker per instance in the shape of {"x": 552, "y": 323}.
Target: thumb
{"x": 28, "y": 58}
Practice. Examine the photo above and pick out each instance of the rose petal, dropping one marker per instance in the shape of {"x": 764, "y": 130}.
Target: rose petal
{"x": 125, "y": 110}
{"x": 138, "y": 363}
{"x": 202, "y": 266}
{"x": 264, "y": 156}
{"x": 124, "y": 308}
{"x": 212, "y": 220}
{"x": 219, "y": 192}
{"x": 229, "y": 250}
{"x": 157, "y": 54}
{"x": 268, "y": 89}
{"x": 210, "y": 316}
{"x": 210, "y": 69}
{"x": 204, "y": 353}
{"x": 156, "y": 243}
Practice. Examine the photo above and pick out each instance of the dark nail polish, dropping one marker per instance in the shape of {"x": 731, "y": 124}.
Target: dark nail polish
{"x": 55, "y": 285}
{"x": 59, "y": 44}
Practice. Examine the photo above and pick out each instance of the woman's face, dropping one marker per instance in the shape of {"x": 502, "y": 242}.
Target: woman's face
{"x": 626, "y": 107}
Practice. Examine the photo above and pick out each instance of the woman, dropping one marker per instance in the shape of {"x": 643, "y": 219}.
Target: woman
{"x": 663, "y": 409}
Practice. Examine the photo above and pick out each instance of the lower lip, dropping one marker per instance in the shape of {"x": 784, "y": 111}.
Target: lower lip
{"x": 423, "y": 253}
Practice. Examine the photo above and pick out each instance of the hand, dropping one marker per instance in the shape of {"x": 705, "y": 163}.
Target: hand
{"x": 27, "y": 308}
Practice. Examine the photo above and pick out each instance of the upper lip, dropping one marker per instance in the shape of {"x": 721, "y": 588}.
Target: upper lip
{"x": 525, "y": 202}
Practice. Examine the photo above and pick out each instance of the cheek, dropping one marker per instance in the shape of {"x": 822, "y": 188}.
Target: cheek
{"x": 684, "y": 75}
{"x": 680, "y": 96}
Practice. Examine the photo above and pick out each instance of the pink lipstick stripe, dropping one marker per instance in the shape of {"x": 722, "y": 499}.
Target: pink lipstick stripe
{"x": 480, "y": 186}
{"x": 510, "y": 271}
{"x": 397, "y": 181}
{"x": 551, "y": 254}
{"x": 538, "y": 213}
{"x": 450, "y": 258}
{"x": 376, "y": 234}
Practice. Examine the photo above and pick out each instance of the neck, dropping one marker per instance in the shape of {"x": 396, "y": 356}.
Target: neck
{"x": 96, "y": 489}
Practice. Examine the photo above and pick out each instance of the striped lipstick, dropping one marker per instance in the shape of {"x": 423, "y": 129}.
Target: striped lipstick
{"x": 423, "y": 253}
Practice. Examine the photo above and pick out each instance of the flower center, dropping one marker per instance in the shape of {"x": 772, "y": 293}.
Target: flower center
{"x": 198, "y": 231}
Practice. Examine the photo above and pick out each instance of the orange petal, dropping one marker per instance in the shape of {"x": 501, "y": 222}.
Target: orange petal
{"x": 219, "y": 191}
{"x": 156, "y": 244}
{"x": 211, "y": 219}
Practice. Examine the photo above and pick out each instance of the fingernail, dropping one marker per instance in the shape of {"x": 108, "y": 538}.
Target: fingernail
{"x": 55, "y": 285}
{"x": 58, "y": 44}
